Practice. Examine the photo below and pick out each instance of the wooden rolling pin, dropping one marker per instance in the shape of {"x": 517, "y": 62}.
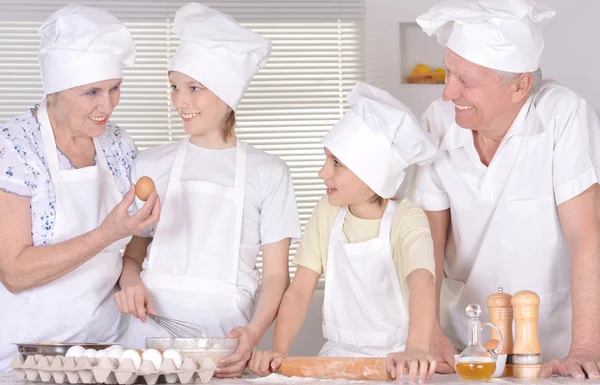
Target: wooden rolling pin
{"x": 346, "y": 368}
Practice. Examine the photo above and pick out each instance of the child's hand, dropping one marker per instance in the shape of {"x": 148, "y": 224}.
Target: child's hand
{"x": 417, "y": 361}
{"x": 262, "y": 362}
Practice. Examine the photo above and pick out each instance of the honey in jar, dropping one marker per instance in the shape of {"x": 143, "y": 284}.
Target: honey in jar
{"x": 475, "y": 368}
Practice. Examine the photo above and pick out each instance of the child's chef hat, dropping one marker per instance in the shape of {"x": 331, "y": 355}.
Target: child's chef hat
{"x": 82, "y": 45}
{"x": 217, "y": 52}
{"x": 378, "y": 138}
{"x": 503, "y": 35}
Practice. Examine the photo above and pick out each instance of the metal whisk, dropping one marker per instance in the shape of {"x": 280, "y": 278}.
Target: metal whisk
{"x": 179, "y": 329}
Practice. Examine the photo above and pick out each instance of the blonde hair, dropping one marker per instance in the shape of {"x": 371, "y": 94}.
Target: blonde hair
{"x": 229, "y": 125}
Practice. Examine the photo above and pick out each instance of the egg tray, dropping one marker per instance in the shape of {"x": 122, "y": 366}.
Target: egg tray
{"x": 61, "y": 370}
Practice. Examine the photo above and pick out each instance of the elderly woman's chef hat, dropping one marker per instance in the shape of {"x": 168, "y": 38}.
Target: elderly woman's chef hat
{"x": 378, "y": 138}
{"x": 81, "y": 45}
{"x": 499, "y": 34}
{"x": 217, "y": 52}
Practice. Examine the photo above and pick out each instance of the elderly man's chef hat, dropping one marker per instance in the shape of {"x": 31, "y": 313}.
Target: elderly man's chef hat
{"x": 218, "y": 52}
{"x": 378, "y": 138}
{"x": 499, "y": 34}
{"x": 81, "y": 45}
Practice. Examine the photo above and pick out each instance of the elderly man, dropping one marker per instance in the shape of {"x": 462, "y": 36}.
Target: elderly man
{"x": 512, "y": 197}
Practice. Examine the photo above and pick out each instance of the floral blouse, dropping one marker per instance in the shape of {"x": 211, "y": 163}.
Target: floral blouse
{"x": 24, "y": 169}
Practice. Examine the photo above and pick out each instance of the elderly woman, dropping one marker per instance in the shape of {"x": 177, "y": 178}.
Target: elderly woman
{"x": 64, "y": 189}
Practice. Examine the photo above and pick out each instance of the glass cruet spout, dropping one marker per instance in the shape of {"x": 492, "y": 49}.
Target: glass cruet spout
{"x": 474, "y": 325}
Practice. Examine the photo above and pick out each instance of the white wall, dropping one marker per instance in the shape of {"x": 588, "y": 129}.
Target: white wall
{"x": 571, "y": 54}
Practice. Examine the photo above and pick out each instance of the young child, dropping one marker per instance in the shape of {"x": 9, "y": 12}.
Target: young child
{"x": 376, "y": 252}
{"x": 222, "y": 201}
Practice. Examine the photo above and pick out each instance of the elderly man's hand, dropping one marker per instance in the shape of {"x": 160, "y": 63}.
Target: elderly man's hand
{"x": 579, "y": 363}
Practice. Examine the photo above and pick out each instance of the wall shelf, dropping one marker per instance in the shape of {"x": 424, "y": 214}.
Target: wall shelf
{"x": 418, "y": 48}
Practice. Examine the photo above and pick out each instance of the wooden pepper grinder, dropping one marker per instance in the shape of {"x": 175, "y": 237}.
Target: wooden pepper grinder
{"x": 527, "y": 357}
{"x": 501, "y": 315}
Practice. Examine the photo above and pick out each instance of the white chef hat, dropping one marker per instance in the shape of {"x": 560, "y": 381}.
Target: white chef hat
{"x": 378, "y": 138}
{"x": 500, "y": 34}
{"x": 81, "y": 45}
{"x": 217, "y": 52}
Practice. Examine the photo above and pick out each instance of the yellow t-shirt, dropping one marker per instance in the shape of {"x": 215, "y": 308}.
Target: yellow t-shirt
{"x": 412, "y": 246}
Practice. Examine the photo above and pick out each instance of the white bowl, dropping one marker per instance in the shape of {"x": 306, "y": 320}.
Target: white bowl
{"x": 196, "y": 348}
{"x": 500, "y": 362}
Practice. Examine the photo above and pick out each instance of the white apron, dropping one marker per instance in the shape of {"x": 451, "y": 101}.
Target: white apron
{"x": 192, "y": 265}
{"x": 363, "y": 309}
{"x": 499, "y": 236}
{"x": 79, "y": 306}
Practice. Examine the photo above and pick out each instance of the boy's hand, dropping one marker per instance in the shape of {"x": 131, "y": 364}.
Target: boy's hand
{"x": 417, "y": 361}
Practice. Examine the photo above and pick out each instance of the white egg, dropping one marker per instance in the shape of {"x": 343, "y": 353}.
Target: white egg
{"x": 153, "y": 356}
{"x": 115, "y": 353}
{"x": 133, "y": 355}
{"x": 75, "y": 351}
{"x": 114, "y": 347}
{"x": 175, "y": 356}
{"x": 89, "y": 353}
{"x": 101, "y": 354}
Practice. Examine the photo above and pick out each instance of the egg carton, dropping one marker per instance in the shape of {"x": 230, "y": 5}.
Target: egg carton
{"x": 86, "y": 370}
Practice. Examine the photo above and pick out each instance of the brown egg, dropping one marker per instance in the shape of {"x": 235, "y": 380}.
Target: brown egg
{"x": 491, "y": 344}
{"x": 144, "y": 187}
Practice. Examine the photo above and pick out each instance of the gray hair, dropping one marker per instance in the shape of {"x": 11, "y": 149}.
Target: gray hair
{"x": 51, "y": 99}
{"x": 507, "y": 78}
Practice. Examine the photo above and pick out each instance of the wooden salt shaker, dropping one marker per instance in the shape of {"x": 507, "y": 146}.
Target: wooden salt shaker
{"x": 501, "y": 315}
{"x": 526, "y": 349}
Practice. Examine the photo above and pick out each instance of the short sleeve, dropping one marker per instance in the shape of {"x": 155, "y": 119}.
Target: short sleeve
{"x": 279, "y": 212}
{"x": 413, "y": 245}
{"x": 309, "y": 250}
{"x": 575, "y": 157}
{"x": 13, "y": 177}
{"x": 425, "y": 189}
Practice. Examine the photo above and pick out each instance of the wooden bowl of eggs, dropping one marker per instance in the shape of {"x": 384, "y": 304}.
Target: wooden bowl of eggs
{"x": 195, "y": 348}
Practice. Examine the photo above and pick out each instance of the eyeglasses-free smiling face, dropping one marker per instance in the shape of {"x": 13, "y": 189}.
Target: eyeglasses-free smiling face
{"x": 202, "y": 111}
{"x": 481, "y": 100}
{"x": 86, "y": 109}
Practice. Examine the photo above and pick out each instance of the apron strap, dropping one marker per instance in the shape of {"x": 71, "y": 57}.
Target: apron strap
{"x": 174, "y": 177}
{"x": 386, "y": 221}
{"x": 239, "y": 186}
{"x": 103, "y": 164}
{"x": 48, "y": 138}
{"x": 177, "y": 168}
{"x": 339, "y": 219}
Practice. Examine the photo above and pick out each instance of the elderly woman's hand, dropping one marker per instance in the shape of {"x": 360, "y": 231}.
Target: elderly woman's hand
{"x": 120, "y": 224}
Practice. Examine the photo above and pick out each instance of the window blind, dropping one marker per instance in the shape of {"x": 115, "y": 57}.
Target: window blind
{"x": 291, "y": 103}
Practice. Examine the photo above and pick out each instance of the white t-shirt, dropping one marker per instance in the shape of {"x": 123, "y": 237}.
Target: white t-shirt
{"x": 270, "y": 210}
